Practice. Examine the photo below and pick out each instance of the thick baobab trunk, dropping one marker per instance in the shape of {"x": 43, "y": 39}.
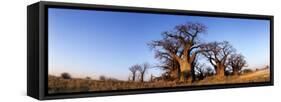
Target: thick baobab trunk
{"x": 220, "y": 69}
{"x": 184, "y": 70}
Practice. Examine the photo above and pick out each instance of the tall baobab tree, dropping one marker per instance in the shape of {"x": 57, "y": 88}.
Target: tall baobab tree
{"x": 134, "y": 70}
{"x": 236, "y": 62}
{"x": 217, "y": 53}
{"x": 181, "y": 44}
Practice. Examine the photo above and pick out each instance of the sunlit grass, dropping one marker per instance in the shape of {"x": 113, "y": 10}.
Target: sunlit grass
{"x": 61, "y": 85}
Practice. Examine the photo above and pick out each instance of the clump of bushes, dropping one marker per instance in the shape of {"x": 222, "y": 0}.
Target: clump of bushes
{"x": 104, "y": 78}
{"x": 65, "y": 75}
{"x": 247, "y": 71}
{"x": 88, "y": 78}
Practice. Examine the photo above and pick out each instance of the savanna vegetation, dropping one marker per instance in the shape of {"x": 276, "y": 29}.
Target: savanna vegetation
{"x": 180, "y": 53}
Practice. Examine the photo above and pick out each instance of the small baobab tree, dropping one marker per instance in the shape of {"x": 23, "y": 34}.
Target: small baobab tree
{"x": 134, "y": 70}
{"x": 236, "y": 62}
{"x": 181, "y": 44}
{"x": 143, "y": 69}
{"x": 218, "y": 53}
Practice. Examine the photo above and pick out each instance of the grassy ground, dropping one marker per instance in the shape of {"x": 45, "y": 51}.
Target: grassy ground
{"x": 60, "y": 85}
{"x": 257, "y": 76}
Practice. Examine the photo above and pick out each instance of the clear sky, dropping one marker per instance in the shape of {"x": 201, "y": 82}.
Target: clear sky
{"x": 93, "y": 43}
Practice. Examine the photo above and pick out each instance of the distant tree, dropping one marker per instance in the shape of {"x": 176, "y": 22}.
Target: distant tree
{"x": 181, "y": 44}
{"x": 209, "y": 71}
{"x": 245, "y": 71}
{"x": 102, "y": 77}
{"x": 217, "y": 53}
{"x": 111, "y": 79}
{"x": 134, "y": 70}
{"x": 105, "y": 78}
{"x": 228, "y": 71}
{"x": 199, "y": 71}
{"x": 151, "y": 78}
{"x": 66, "y": 75}
{"x": 237, "y": 62}
{"x": 88, "y": 78}
{"x": 143, "y": 70}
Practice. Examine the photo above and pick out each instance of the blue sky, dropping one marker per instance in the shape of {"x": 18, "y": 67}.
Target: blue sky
{"x": 94, "y": 43}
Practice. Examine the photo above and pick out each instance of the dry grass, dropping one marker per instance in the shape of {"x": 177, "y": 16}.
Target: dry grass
{"x": 60, "y": 85}
{"x": 257, "y": 76}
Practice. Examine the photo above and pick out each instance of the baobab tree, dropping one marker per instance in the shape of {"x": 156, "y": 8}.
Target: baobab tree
{"x": 181, "y": 44}
{"x": 169, "y": 65}
{"x": 209, "y": 71}
{"x": 236, "y": 62}
{"x": 199, "y": 71}
{"x": 143, "y": 70}
{"x": 218, "y": 53}
{"x": 134, "y": 70}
